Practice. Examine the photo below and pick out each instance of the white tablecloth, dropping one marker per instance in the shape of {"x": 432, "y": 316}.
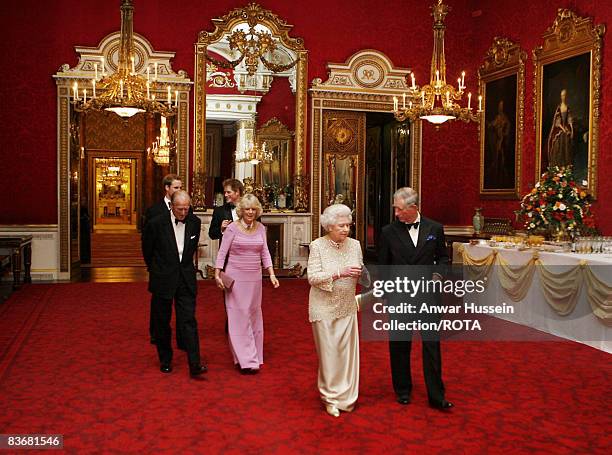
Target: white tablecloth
{"x": 533, "y": 311}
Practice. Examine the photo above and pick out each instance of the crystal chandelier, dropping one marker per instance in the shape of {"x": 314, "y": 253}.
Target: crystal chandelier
{"x": 112, "y": 171}
{"x": 255, "y": 154}
{"x": 124, "y": 92}
{"x": 438, "y": 101}
{"x": 161, "y": 147}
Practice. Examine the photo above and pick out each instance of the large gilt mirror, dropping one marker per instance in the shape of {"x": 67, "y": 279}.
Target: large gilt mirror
{"x": 250, "y": 90}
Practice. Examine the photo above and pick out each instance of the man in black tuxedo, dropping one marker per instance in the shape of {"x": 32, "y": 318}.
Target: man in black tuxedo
{"x": 172, "y": 183}
{"x": 169, "y": 243}
{"x": 226, "y": 213}
{"x": 413, "y": 240}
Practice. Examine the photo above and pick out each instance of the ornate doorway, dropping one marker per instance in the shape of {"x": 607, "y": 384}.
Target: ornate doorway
{"x": 375, "y": 154}
{"x": 96, "y": 134}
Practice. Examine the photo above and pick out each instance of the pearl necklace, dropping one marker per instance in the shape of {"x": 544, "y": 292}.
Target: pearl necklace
{"x": 336, "y": 245}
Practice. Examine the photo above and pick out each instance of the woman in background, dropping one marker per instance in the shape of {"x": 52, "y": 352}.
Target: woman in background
{"x": 245, "y": 246}
{"x": 334, "y": 266}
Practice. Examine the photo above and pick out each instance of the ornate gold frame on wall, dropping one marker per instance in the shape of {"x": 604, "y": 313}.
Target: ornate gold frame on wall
{"x": 365, "y": 82}
{"x": 571, "y": 36}
{"x": 504, "y": 58}
{"x": 280, "y": 30}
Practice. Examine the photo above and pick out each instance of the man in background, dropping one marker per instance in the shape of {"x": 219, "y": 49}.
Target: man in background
{"x": 226, "y": 213}
{"x": 171, "y": 183}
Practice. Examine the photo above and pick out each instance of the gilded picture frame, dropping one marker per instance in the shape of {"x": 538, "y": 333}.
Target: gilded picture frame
{"x": 501, "y": 80}
{"x": 567, "y": 96}
{"x": 254, "y": 14}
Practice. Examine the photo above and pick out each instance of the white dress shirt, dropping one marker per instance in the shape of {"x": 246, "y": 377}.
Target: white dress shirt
{"x": 234, "y": 214}
{"x": 168, "y": 202}
{"x": 179, "y": 234}
{"x": 414, "y": 232}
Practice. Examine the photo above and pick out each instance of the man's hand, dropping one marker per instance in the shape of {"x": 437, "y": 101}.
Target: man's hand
{"x": 225, "y": 224}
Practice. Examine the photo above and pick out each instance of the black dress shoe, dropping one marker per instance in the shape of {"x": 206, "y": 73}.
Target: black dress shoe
{"x": 197, "y": 370}
{"x": 403, "y": 399}
{"x": 249, "y": 370}
{"x": 165, "y": 368}
{"x": 442, "y": 406}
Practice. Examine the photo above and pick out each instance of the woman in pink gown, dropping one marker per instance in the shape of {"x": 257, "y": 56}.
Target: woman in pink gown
{"x": 244, "y": 244}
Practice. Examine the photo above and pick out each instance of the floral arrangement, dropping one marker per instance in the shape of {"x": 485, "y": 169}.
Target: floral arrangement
{"x": 557, "y": 203}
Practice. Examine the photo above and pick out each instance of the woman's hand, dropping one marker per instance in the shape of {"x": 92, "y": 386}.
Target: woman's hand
{"x": 218, "y": 280}
{"x": 274, "y": 281}
{"x": 350, "y": 271}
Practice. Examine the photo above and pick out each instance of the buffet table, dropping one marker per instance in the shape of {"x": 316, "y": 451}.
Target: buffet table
{"x": 565, "y": 294}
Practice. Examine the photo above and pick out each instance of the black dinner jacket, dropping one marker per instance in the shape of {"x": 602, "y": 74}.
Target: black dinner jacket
{"x": 158, "y": 209}
{"x": 396, "y": 247}
{"x": 223, "y": 212}
{"x": 429, "y": 256}
{"x": 161, "y": 254}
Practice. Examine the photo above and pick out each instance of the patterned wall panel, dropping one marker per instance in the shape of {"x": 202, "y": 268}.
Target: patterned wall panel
{"x": 107, "y": 131}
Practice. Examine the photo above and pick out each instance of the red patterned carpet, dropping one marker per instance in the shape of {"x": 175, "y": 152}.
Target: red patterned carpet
{"x": 75, "y": 360}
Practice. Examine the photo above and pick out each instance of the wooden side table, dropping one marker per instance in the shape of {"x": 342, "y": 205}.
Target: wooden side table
{"x": 20, "y": 249}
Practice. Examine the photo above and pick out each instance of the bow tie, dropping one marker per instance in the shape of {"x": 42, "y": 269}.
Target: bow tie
{"x": 177, "y": 221}
{"x": 231, "y": 205}
{"x": 412, "y": 225}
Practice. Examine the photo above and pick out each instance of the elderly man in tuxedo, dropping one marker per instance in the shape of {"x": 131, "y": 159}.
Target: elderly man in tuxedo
{"x": 418, "y": 242}
{"x": 169, "y": 243}
{"x": 171, "y": 183}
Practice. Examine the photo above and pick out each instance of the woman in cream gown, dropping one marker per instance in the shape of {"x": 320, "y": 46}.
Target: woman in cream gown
{"x": 334, "y": 266}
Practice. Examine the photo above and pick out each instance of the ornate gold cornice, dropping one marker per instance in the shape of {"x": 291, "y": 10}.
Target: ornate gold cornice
{"x": 252, "y": 14}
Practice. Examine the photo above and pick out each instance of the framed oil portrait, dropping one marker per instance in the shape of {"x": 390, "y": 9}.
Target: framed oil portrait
{"x": 502, "y": 87}
{"x": 567, "y": 93}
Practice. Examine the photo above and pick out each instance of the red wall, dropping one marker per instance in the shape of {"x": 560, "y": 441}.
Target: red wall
{"x": 37, "y": 44}
{"x": 525, "y": 26}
